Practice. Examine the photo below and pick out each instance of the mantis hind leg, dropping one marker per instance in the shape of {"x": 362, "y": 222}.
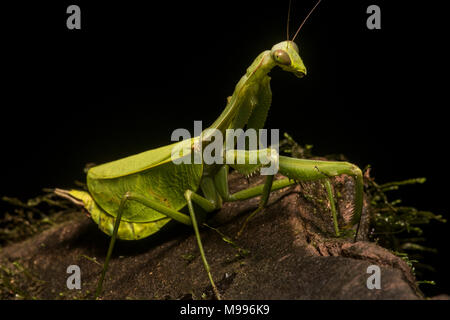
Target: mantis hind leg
{"x": 208, "y": 205}
{"x": 111, "y": 245}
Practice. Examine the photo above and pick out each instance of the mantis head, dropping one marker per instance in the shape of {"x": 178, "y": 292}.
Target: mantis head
{"x": 285, "y": 55}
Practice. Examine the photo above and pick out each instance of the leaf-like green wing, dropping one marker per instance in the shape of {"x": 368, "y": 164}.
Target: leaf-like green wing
{"x": 137, "y": 162}
{"x": 127, "y": 230}
{"x": 151, "y": 174}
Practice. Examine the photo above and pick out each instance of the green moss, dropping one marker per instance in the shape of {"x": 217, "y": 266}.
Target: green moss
{"x": 24, "y": 219}
{"x": 17, "y": 282}
{"x": 399, "y": 227}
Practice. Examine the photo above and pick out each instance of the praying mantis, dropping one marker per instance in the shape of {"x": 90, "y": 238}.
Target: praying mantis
{"x": 134, "y": 197}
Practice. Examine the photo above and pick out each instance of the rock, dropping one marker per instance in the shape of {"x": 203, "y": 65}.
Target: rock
{"x": 293, "y": 254}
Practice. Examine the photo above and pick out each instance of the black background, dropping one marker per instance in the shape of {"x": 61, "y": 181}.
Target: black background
{"x": 135, "y": 72}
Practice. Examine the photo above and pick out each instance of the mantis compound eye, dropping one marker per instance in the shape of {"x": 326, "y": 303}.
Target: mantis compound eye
{"x": 281, "y": 57}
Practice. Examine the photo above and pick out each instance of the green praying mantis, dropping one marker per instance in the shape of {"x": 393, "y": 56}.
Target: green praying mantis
{"x": 134, "y": 197}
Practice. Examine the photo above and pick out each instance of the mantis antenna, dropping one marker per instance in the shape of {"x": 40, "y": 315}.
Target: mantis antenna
{"x": 303, "y": 20}
{"x": 288, "y": 20}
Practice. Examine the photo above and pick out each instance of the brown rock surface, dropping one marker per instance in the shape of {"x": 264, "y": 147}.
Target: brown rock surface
{"x": 293, "y": 254}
